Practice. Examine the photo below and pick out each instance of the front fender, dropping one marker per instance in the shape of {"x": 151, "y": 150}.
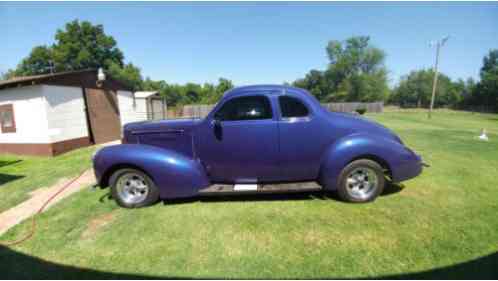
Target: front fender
{"x": 174, "y": 174}
{"x": 402, "y": 162}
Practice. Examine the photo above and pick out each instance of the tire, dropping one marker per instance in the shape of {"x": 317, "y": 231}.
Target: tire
{"x": 361, "y": 181}
{"x": 132, "y": 188}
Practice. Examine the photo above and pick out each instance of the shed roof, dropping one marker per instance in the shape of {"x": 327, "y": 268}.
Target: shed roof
{"x": 86, "y": 78}
{"x": 145, "y": 94}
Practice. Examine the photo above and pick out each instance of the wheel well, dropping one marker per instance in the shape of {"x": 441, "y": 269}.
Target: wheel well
{"x": 383, "y": 163}
{"x": 104, "y": 181}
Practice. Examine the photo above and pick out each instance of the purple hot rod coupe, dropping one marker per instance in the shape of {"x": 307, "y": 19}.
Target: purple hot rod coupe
{"x": 257, "y": 139}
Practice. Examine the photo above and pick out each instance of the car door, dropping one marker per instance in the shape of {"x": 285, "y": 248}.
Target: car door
{"x": 301, "y": 139}
{"x": 239, "y": 141}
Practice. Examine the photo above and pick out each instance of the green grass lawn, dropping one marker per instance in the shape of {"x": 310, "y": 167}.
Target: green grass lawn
{"x": 20, "y": 175}
{"x": 443, "y": 224}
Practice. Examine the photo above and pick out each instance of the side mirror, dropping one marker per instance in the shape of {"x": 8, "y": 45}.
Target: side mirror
{"x": 218, "y": 132}
{"x": 216, "y": 122}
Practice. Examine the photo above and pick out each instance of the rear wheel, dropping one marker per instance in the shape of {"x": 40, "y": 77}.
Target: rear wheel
{"x": 132, "y": 188}
{"x": 361, "y": 181}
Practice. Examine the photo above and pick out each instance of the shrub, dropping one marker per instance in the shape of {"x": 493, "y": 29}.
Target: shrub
{"x": 361, "y": 110}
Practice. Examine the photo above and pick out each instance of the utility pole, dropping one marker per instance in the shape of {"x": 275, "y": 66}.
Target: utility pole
{"x": 439, "y": 44}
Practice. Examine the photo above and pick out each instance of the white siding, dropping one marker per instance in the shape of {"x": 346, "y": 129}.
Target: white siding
{"x": 129, "y": 112}
{"x": 65, "y": 112}
{"x": 29, "y": 113}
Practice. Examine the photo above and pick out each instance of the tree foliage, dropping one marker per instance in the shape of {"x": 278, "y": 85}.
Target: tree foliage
{"x": 415, "y": 90}
{"x": 487, "y": 88}
{"x": 190, "y": 93}
{"x": 356, "y": 72}
{"x": 83, "y": 45}
{"x": 80, "y": 45}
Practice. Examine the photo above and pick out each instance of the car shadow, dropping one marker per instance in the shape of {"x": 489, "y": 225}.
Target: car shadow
{"x": 17, "y": 265}
{"x": 389, "y": 189}
{"x": 392, "y": 188}
{"x": 252, "y": 197}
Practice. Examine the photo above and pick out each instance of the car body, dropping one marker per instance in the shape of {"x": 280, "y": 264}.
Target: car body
{"x": 256, "y": 135}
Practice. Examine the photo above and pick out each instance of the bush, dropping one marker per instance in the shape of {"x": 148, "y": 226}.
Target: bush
{"x": 361, "y": 111}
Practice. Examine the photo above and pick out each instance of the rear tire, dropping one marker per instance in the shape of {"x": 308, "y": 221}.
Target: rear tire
{"x": 132, "y": 188}
{"x": 361, "y": 181}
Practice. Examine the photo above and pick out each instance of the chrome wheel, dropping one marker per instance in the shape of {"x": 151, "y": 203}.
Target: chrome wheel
{"x": 132, "y": 188}
{"x": 361, "y": 183}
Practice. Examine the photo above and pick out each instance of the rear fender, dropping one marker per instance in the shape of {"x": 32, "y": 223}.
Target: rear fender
{"x": 174, "y": 174}
{"x": 388, "y": 152}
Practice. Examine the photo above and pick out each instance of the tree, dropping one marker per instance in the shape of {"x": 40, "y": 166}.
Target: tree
{"x": 189, "y": 93}
{"x": 415, "y": 89}
{"x": 356, "y": 72}
{"x": 83, "y": 45}
{"x": 128, "y": 74}
{"x": 488, "y": 86}
{"x": 80, "y": 45}
{"x": 39, "y": 61}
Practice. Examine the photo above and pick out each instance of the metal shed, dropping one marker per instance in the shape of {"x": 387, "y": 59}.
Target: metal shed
{"x": 151, "y": 105}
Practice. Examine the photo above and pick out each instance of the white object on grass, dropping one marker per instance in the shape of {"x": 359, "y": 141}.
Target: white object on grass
{"x": 240, "y": 187}
{"x": 483, "y": 135}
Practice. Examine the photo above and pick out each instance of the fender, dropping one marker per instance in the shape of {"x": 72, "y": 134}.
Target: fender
{"x": 401, "y": 162}
{"x": 175, "y": 174}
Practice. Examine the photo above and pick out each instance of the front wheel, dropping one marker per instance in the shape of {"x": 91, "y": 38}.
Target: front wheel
{"x": 132, "y": 188}
{"x": 361, "y": 181}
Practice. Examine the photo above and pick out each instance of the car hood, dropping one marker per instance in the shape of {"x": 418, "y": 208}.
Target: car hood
{"x": 175, "y": 135}
{"x": 180, "y": 125}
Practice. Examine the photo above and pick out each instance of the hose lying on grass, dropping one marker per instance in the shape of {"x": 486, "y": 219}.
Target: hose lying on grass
{"x": 33, "y": 218}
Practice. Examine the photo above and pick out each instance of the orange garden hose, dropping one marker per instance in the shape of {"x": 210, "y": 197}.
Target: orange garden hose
{"x": 40, "y": 210}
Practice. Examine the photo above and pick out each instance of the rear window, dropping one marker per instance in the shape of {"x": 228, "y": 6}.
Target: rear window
{"x": 292, "y": 107}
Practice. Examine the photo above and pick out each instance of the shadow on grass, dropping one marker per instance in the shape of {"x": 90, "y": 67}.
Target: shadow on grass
{"x": 16, "y": 265}
{"x": 392, "y": 188}
{"x": 268, "y": 197}
{"x": 5, "y": 178}
{"x": 481, "y": 268}
{"x": 9, "y": 162}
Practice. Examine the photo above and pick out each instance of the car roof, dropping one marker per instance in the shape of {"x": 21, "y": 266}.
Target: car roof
{"x": 272, "y": 89}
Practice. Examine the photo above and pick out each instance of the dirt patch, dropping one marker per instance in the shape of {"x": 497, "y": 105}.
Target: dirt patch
{"x": 96, "y": 224}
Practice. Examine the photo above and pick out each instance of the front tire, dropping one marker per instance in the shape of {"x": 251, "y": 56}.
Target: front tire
{"x": 132, "y": 188}
{"x": 361, "y": 181}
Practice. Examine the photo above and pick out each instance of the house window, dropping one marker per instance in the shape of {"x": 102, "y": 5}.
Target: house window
{"x": 7, "y": 120}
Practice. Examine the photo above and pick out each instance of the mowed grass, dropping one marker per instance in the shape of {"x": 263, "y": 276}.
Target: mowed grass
{"x": 442, "y": 224}
{"x": 20, "y": 175}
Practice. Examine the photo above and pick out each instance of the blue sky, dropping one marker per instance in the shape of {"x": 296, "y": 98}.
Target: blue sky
{"x": 260, "y": 42}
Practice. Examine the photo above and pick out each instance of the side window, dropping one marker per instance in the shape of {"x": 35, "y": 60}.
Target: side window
{"x": 7, "y": 120}
{"x": 245, "y": 108}
{"x": 292, "y": 107}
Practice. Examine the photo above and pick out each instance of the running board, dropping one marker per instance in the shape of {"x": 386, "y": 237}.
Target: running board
{"x": 228, "y": 189}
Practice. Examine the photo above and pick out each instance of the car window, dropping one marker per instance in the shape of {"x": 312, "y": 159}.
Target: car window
{"x": 292, "y": 107}
{"x": 245, "y": 108}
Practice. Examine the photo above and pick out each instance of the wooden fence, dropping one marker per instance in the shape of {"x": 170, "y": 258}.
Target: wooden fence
{"x": 201, "y": 110}
{"x": 372, "y": 107}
